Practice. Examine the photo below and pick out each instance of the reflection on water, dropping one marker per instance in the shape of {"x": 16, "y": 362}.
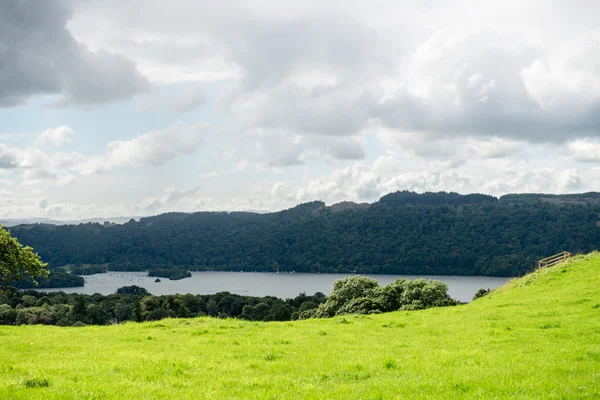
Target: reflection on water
{"x": 262, "y": 284}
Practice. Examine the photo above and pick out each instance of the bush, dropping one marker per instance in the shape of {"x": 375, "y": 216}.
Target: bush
{"x": 481, "y": 292}
{"x": 363, "y": 295}
{"x": 8, "y": 315}
{"x": 137, "y": 290}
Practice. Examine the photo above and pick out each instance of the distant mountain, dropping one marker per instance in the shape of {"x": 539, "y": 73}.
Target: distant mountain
{"x": 403, "y": 233}
{"x": 112, "y": 220}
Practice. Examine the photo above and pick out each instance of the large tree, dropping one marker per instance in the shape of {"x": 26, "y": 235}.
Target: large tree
{"x": 18, "y": 261}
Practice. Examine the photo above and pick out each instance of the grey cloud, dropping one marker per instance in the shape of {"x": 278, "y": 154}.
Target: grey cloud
{"x": 190, "y": 100}
{"x": 492, "y": 93}
{"x": 344, "y": 148}
{"x": 38, "y": 55}
{"x": 9, "y": 158}
{"x": 269, "y": 50}
{"x": 327, "y": 110}
{"x": 173, "y": 98}
{"x": 480, "y": 83}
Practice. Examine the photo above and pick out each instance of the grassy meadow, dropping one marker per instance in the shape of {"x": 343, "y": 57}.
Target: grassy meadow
{"x": 538, "y": 337}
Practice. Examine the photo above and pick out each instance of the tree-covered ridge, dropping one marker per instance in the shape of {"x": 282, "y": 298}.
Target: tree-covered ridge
{"x": 403, "y": 233}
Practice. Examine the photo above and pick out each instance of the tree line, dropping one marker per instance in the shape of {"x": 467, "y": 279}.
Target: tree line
{"x": 403, "y": 233}
{"x": 351, "y": 295}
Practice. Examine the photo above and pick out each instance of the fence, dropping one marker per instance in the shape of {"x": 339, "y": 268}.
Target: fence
{"x": 555, "y": 259}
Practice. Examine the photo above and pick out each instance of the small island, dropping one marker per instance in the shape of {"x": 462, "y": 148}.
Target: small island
{"x": 173, "y": 273}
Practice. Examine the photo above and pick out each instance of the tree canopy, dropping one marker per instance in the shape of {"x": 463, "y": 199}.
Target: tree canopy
{"x": 404, "y": 233}
{"x": 18, "y": 261}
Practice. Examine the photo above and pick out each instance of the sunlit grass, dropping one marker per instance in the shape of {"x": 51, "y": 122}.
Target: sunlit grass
{"x": 537, "y": 337}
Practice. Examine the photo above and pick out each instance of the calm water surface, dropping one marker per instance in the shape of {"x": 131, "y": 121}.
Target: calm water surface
{"x": 262, "y": 284}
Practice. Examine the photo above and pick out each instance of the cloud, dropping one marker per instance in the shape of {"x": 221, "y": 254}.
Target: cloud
{"x": 320, "y": 69}
{"x": 315, "y": 69}
{"x": 157, "y": 147}
{"x": 9, "y": 157}
{"x": 349, "y": 183}
{"x": 174, "y": 199}
{"x": 272, "y": 148}
{"x": 190, "y": 100}
{"x": 210, "y": 175}
{"x": 174, "y": 98}
{"x": 152, "y": 148}
{"x": 567, "y": 80}
{"x": 585, "y": 150}
{"x": 39, "y": 56}
{"x": 58, "y": 137}
{"x": 427, "y": 145}
{"x": 35, "y": 166}
{"x": 149, "y": 149}
{"x": 313, "y": 100}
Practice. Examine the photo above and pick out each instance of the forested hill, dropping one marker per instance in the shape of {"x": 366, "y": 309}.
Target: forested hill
{"x": 403, "y": 233}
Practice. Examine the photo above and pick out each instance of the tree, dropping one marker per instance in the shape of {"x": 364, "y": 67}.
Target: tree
{"x": 97, "y": 315}
{"x": 345, "y": 290}
{"x": 18, "y": 261}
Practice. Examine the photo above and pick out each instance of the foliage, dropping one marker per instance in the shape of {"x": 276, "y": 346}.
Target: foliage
{"x": 17, "y": 261}
{"x": 134, "y": 303}
{"x": 363, "y": 295}
{"x": 352, "y": 295}
{"x": 481, "y": 292}
{"x": 55, "y": 279}
{"x": 536, "y": 338}
{"x": 134, "y": 289}
{"x": 173, "y": 273}
{"x": 88, "y": 269}
{"x": 404, "y": 233}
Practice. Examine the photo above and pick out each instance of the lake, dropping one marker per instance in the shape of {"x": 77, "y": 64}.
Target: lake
{"x": 262, "y": 284}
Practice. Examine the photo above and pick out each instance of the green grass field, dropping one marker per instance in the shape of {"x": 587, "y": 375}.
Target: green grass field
{"x": 537, "y": 337}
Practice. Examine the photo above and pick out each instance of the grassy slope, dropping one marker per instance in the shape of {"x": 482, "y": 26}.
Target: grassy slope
{"x": 538, "y": 337}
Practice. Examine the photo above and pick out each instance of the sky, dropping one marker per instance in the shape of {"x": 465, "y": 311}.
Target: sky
{"x": 129, "y": 108}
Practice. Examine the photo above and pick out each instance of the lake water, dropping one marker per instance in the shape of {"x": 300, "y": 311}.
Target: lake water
{"x": 262, "y": 284}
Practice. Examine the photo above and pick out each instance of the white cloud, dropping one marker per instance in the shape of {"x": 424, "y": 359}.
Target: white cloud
{"x": 586, "y": 150}
{"x": 149, "y": 149}
{"x": 349, "y": 183}
{"x": 566, "y": 81}
{"x": 58, "y": 137}
{"x": 174, "y": 199}
{"x": 153, "y": 148}
{"x": 157, "y": 147}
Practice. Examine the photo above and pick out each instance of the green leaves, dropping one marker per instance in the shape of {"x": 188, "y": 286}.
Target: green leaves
{"x": 363, "y": 295}
{"x": 17, "y": 261}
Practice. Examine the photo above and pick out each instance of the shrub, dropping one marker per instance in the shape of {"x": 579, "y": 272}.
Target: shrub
{"x": 8, "y": 316}
{"x": 481, "y": 292}
{"x": 363, "y": 295}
